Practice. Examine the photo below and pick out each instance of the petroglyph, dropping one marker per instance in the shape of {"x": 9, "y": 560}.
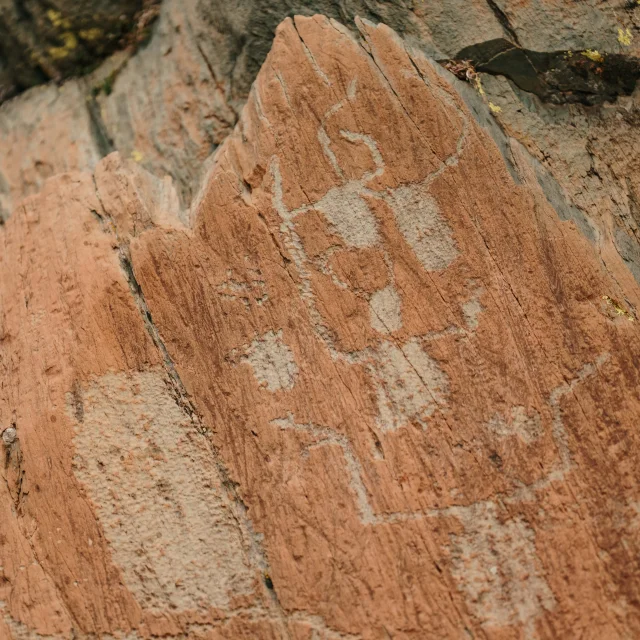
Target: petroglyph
{"x": 349, "y": 215}
{"x": 157, "y": 494}
{"x": 494, "y": 560}
{"x": 376, "y": 156}
{"x": 472, "y": 308}
{"x": 272, "y": 361}
{"x": 517, "y": 421}
{"x": 252, "y": 291}
{"x": 326, "y": 436}
{"x": 325, "y": 143}
{"x": 409, "y": 383}
{"x": 423, "y": 227}
{"x": 496, "y": 567}
{"x": 385, "y": 314}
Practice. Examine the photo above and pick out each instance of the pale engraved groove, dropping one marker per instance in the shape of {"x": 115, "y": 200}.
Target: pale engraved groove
{"x": 327, "y": 436}
{"x": 385, "y": 311}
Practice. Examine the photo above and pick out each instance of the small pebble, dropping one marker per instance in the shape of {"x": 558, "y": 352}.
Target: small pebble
{"x": 9, "y": 435}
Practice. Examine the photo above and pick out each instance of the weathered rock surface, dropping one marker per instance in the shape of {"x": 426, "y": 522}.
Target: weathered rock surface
{"x": 371, "y": 386}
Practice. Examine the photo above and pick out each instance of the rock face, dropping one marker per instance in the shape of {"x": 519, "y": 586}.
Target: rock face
{"x": 371, "y": 385}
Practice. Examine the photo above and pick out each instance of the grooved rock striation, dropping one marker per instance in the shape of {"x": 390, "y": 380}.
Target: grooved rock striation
{"x": 371, "y": 385}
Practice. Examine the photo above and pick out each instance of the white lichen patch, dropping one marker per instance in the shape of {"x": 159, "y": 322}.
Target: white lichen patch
{"x": 157, "y": 494}
{"x": 409, "y": 385}
{"x": 384, "y": 310}
{"x": 496, "y": 567}
{"x": 517, "y": 421}
{"x": 423, "y": 227}
{"x": 272, "y": 361}
{"x": 349, "y": 215}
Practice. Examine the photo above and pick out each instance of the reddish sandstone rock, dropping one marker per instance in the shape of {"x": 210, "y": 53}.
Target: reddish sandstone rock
{"x": 372, "y": 387}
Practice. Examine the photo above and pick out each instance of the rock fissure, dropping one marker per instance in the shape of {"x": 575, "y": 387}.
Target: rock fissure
{"x": 503, "y": 19}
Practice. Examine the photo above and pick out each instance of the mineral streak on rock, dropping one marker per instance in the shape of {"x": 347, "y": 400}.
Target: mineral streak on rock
{"x": 370, "y": 386}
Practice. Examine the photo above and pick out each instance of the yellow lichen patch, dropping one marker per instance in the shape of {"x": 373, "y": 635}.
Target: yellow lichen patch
{"x": 594, "y": 55}
{"x": 56, "y": 19}
{"x": 479, "y": 85}
{"x": 494, "y": 108}
{"x": 568, "y": 54}
{"x": 618, "y": 307}
{"x": 58, "y": 53}
{"x": 70, "y": 43}
{"x": 90, "y": 34}
{"x": 625, "y": 37}
{"x": 137, "y": 156}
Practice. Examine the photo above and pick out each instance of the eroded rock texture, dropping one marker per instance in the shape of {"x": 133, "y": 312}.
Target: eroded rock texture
{"x": 371, "y": 385}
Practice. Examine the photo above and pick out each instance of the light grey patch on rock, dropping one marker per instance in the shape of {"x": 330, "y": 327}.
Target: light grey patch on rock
{"x": 423, "y": 227}
{"x": 471, "y": 309}
{"x": 497, "y": 568}
{"x": 517, "y": 421}
{"x": 349, "y": 215}
{"x": 385, "y": 313}
{"x": 272, "y": 361}
{"x": 9, "y": 436}
{"x": 158, "y": 496}
{"x": 409, "y": 385}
